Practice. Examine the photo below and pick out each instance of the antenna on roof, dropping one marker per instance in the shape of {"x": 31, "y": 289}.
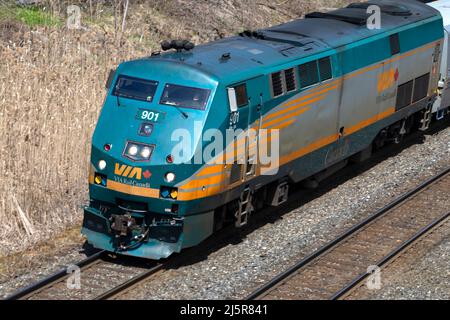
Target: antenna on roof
{"x": 178, "y": 45}
{"x": 252, "y": 34}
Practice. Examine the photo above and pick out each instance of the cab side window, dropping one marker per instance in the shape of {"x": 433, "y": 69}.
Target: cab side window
{"x": 241, "y": 95}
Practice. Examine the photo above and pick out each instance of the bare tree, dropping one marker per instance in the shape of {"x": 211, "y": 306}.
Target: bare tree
{"x": 125, "y": 15}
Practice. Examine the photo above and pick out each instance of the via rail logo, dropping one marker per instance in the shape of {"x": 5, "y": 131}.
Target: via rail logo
{"x": 387, "y": 79}
{"x": 130, "y": 172}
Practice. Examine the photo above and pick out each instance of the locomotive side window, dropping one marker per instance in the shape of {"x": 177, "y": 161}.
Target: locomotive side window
{"x": 325, "y": 69}
{"x": 395, "y": 44}
{"x": 277, "y": 84}
{"x": 184, "y": 97}
{"x": 421, "y": 87}
{"x": 404, "y": 95}
{"x": 241, "y": 95}
{"x": 309, "y": 74}
{"x": 135, "y": 88}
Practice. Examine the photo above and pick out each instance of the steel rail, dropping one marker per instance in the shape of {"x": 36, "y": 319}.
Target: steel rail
{"x": 130, "y": 283}
{"x": 405, "y": 245}
{"x": 54, "y": 278}
{"x": 322, "y": 250}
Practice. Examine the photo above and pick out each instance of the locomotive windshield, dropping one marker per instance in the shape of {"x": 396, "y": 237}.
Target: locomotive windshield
{"x": 134, "y": 88}
{"x": 185, "y": 97}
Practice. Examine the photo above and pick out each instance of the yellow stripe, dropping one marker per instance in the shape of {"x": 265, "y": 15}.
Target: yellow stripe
{"x": 193, "y": 184}
{"x": 288, "y": 116}
{"x": 210, "y": 170}
{"x": 192, "y": 195}
{"x": 309, "y": 96}
{"x": 330, "y": 139}
{"x": 303, "y": 104}
{"x": 370, "y": 121}
{"x": 127, "y": 189}
{"x": 284, "y": 125}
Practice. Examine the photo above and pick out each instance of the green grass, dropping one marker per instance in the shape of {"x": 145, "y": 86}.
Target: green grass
{"x": 31, "y": 16}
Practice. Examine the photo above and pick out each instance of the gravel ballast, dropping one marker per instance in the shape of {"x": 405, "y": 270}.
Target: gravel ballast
{"x": 237, "y": 268}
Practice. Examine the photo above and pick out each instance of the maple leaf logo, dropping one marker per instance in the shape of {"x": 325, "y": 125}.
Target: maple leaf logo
{"x": 147, "y": 174}
{"x": 396, "y": 75}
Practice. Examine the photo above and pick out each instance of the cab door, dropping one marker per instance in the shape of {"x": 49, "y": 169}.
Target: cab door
{"x": 235, "y": 155}
{"x": 255, "y": 104}
{"x": 246, "y": 123}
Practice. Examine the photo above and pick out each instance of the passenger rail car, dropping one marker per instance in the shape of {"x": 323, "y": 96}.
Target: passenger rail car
{"x": 327, "y": 87}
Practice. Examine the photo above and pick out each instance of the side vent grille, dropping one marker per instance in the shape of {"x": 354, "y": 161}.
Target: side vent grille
{"x": 277, "y": 84}
{"x": 291, "y": 83}
{"x": 421, "y": 87}
{"x": 404, "y": 95}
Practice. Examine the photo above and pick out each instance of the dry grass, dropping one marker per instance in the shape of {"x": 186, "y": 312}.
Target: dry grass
{"x": 52, "y": 88}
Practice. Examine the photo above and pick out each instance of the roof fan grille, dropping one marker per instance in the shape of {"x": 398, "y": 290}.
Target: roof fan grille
{"x": 391, "y": 9}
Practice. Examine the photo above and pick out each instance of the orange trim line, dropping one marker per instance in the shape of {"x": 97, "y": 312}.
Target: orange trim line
{"x": 210, "y": 169}
{"x": 369, "y": 121}
{"x": 193, "y": 184}
{"x": 286, "y": 117}
{"x": 284, "y": 125}
{"x": 311, "y": 95}
{"x": 297, "y": 106}
{"x": 127, "y": 189}
{"x": 186, "y": 195}
{"x": 332, "y": 138}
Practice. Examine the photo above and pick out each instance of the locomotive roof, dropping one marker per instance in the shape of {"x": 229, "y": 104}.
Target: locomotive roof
{"x": 297, "y": 39}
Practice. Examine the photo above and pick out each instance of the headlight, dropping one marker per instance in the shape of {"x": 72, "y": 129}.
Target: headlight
{"x": 138, "y": 151}
{"x": 170, "y": 177}
{"x": 133, "y": 150}
{"x": 145, "y": 153}
{"x": 102, "y": 165}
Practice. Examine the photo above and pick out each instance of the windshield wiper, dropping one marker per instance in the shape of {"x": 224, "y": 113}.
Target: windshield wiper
{"x": 174, "y": 104}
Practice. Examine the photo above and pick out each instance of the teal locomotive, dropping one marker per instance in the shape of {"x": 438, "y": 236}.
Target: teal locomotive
{"x": 310, "y": 95}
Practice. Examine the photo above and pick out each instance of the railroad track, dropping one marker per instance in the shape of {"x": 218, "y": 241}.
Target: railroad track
{"x": 103, "y": 277}
{"x": 335, "y": 269}
{"x": 100, "y": 276}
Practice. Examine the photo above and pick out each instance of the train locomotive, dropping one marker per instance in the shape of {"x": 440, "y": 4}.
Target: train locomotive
{"x": 327, "y": 89}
